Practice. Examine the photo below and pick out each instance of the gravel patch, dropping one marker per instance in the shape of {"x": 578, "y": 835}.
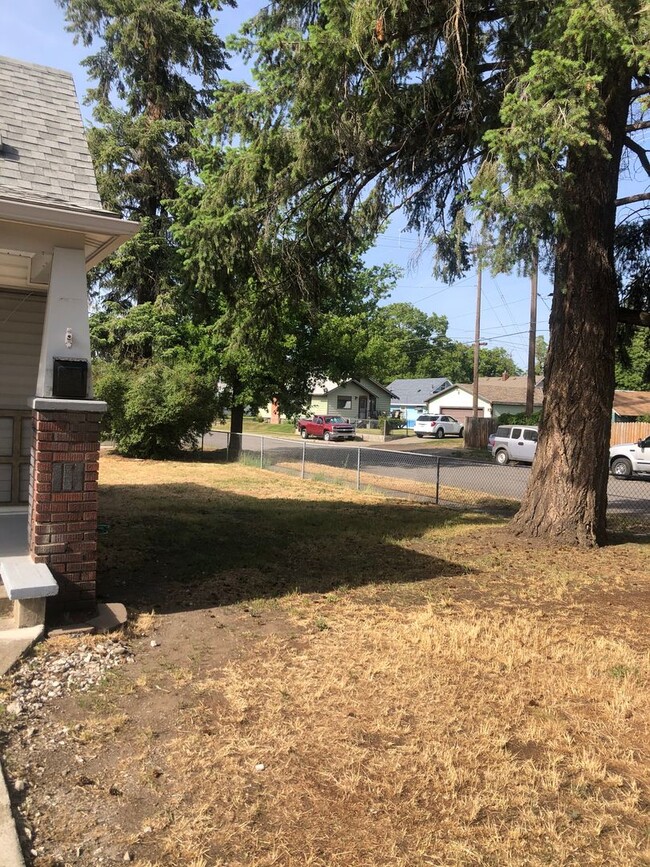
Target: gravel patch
{"x": 44, "y": 677}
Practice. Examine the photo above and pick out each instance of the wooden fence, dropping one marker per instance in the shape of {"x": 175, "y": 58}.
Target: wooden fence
{"x": 477, "y": 431}
{"x": 629, "y": 431}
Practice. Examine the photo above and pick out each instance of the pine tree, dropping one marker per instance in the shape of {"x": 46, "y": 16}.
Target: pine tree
{"x": 510, "y": 114}
{"x": 154, "y": 75}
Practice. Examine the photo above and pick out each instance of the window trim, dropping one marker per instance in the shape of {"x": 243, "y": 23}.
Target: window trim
{"x": 18, "y": 458}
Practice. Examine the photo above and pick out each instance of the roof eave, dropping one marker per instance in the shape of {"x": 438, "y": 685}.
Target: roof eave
{"x": 114, "y": 229}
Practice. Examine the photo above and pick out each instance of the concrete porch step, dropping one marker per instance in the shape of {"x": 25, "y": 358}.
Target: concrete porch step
{"x": 6, "y": 605}
{"x": 7, "y": 622}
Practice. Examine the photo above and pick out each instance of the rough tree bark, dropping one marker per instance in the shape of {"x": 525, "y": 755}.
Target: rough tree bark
{"x": 573, "y": 445}
{"x": 236, "y": 431}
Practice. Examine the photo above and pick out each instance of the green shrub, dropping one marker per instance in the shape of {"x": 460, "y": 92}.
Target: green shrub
{"x": 157, "y": 408}
{"x": 519, "y": 418}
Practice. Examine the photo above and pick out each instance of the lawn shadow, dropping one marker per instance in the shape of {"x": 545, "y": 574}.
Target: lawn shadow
{"x": 173, "y": 546}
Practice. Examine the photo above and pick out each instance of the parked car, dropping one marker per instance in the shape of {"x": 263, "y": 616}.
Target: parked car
{"x": 515, "y": 442}
{"x": 629, "y": 458}
{"x": 329, "y": 427}
{"x": 438, "y": 426}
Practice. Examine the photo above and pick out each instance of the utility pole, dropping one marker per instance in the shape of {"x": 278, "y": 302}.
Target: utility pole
{"x": 532, "y": 334}
{"x": 477, "y": 340}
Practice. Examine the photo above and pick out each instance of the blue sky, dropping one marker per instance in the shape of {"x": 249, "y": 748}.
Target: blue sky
{"x": 34, "y": 30}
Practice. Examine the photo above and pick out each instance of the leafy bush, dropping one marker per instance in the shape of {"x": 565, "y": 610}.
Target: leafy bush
{"x": 155, "y": 409}
{"x": 519, "y": 418}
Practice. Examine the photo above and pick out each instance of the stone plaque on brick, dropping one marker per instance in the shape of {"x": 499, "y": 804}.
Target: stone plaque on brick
{"x": 67, "y": 477}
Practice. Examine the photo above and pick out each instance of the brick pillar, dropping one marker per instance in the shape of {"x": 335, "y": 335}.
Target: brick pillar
{"x": 63, "y": 502}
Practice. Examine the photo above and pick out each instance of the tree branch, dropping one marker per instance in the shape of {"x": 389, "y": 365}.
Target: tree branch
{"x": 640, "y": 124}
{"x": 634, "y": 317}
{"x": 639, "y": 91}
{"x": 641, "y": 152}
{"x": 630, "y": 200}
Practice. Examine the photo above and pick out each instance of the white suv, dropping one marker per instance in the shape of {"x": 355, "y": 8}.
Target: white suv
{"x": 438, "y": 426}
{"x": 629, "y": 458}
{"x": 515, "y": 442}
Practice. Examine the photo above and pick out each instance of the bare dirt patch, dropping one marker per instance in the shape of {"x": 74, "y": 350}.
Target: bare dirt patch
{"x": 338, "y": 679}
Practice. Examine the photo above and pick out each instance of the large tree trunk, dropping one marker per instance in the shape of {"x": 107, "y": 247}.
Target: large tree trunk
{"x": 566, "y": 499}
{"x": 236, "y": 432}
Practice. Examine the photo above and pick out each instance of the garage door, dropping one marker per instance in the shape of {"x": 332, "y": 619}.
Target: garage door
{"x": 460, "y": 413}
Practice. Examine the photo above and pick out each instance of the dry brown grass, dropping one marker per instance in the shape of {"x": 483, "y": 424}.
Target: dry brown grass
{"x": 442, "y": 735}
{"x": 375, "y": 483}
{"x": 419, "y": 687}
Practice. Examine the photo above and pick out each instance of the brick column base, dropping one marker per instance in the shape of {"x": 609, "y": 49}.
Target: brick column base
{"x": 63, "y": 502}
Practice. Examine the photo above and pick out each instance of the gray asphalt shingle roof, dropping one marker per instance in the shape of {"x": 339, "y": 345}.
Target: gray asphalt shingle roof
{"x": 44, "y": 157}
{"x": 413, "y": 392}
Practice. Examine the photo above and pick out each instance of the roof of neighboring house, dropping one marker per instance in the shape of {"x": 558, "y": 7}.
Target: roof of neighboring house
{"x": 378, "y": 386}
{"x": 632, "y": 403}
{"x": 44, "y": 157}
{"x": 495, "y": 389}
{"x": 414, "y": 392}
{"x": 327, "y": 385}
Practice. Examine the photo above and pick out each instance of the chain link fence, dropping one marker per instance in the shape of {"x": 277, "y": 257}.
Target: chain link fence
{"x": 473, "y": 483}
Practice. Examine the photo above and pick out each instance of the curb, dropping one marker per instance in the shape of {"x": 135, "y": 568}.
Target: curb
{"x": 12, "y": 855}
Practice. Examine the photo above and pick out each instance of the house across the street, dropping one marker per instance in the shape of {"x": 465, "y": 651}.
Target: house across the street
{"x": 410, "y": 395}
{"x": 496, "y": 395}
{"x": 631, "y": 406}
{"x": 356, "y": 399}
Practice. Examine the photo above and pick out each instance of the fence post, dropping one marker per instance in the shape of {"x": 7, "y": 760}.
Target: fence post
{"x": 228, "y": 447}
{"x": 437, "y": 481}
{"x": 261, "y": 453}
{"x": 358, "y": 469}
{"x": 302, "y": 467}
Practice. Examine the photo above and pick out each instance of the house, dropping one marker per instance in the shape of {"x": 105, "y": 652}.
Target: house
{"x": 497, "y": 395}
{"x": 411, "y": 395}
{"x": 52, "y": 230}
{"x": 357, "y": 399}
{"x": 631, "y": 405}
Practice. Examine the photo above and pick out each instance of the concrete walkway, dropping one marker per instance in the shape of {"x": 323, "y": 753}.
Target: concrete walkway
{"x": 13, "y": 644}
{"x": 10, "y": 852}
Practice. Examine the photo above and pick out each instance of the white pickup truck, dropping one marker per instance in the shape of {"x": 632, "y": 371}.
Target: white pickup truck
{"x": 629, "y": 458}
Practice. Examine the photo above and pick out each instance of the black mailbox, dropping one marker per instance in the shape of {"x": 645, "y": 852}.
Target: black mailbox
{"x": 70, "y": 379}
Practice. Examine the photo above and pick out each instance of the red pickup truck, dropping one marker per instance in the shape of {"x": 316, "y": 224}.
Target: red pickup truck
{"x": 328, "y": 427}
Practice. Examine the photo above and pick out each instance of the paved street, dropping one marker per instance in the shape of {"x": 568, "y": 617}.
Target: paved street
{"x": 426, "y": 462}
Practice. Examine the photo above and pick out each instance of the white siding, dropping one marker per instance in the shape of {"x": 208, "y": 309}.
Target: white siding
{"x": 455, "y": 400}
{"x": 21, "y": 329}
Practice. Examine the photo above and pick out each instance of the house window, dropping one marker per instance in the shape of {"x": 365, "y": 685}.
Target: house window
{"x": 15, "y": 449}
{"x": 344, "y": 402}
